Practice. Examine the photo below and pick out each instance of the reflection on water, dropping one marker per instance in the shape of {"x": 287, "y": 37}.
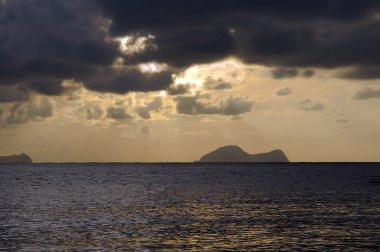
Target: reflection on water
{"x": 166, "y": 207}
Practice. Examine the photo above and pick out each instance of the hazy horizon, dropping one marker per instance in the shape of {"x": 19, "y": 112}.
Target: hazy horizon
{"x": 152, "y": 81}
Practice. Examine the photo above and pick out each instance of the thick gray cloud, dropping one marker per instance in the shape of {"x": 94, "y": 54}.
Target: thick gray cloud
{"x": 118, "y": 113}
{"x": 185, "y": 47}
{"x": 44, "y": 42}
{"x": 367, "y": 93}
{"x": 197, "y": 13}
{"x": 309, "y": 105}
{"x": 284, "y": 91}
{"x": 290, "y": 33}
{"x": 191, "y": 105}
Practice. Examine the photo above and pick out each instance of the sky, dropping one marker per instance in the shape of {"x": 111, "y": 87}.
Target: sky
{"x": 169, "y": 81}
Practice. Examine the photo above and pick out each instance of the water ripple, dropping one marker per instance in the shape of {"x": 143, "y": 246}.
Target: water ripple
{"x": 163, "y": 207}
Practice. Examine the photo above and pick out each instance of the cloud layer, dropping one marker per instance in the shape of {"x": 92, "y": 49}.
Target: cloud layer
{"x": 195, "y": 105}
{"x": 43, "y": 43}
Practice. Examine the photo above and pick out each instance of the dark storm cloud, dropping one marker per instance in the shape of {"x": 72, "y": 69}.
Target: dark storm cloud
{"x": 309, "y": 43}
{"x": 183, "y": 48}
{"x": 289, "y": 33}
{"x": 44, "y": 42}
{"x": 132, "y": 16}
{"x": 191, "y": 105}
{"x": 367, "y": 93}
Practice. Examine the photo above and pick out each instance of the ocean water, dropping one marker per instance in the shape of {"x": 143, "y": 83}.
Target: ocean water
{"x": 190, "y": 207}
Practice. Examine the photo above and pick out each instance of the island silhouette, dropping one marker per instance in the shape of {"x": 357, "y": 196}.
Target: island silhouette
{"x": 16, "y": 159}
{"x": 225, "y": 154}
{"x": 235, "y": 154}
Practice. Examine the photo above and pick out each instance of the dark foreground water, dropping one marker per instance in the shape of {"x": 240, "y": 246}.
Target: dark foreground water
{"x": 183, "y": 207}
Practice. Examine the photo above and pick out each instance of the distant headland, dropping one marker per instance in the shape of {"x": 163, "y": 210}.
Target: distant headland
{"x": 234, "y": 154}
{"x": 16, "y": 159}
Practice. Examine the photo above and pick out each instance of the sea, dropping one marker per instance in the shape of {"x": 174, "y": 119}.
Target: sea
{"x": 190, "y": 207}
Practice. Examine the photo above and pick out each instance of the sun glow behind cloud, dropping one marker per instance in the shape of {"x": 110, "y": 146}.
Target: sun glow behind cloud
{"x": 136, "y": 44}
{"x": 152, "y": 67}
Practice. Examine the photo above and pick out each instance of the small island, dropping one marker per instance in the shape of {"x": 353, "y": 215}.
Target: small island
{"x": 16, "y": 159}
{"x": 234, "y": 154}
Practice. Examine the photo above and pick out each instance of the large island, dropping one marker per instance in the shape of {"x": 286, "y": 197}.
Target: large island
{"x": 234, "y": 154}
